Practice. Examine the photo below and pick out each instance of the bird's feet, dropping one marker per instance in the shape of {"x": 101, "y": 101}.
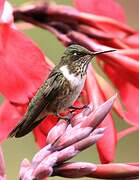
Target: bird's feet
{"x": 70, "y": 115}
{"x": 67, "y": 117}
{"x": 74, "y": 108}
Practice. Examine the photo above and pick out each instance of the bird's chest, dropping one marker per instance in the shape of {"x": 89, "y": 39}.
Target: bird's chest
{"x": 76, "y": 84}
{"x": 75, "y": 89}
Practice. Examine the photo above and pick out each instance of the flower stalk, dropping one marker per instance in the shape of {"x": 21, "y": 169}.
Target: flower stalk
{"x": 65, "y": 141}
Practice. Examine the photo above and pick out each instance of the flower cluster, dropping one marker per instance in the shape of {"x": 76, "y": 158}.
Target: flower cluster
{"x": 66, "y": 141}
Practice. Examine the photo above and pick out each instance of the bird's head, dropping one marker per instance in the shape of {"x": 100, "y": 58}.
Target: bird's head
{"x": 77, "y": 53}
{"x": 77, "y": 58}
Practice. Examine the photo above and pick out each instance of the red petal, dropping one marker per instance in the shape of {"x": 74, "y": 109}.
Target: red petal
{"x": 128, "y": 92}
{"x": 133, "y": 53}
{"x": 22, "y": 65}
{"x": 115, "y": 43}
{"x": 116, "y": 171}
{"x": 48, "y": 123}
{"x": 112, "y": 27}
{"x": 41, "y": 131}
{"x": 9, "y": 117}
{"x": 127, "y": 131}
{"x": 133, "y": 40}
{"x": 113, "y": 9}
{"x": 92, "y": 89}
{"x": 119, "y": 59}
{"x": 40, "y": 138}
{"x": 107, "y": 144}
{"x": 108, "y": 91}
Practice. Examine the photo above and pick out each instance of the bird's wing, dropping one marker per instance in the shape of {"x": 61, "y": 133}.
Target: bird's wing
{"x": 43, "y": 97}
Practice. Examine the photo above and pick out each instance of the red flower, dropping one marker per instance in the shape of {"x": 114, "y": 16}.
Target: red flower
{"x": 23, "y": 68}
{"x": 108, "y": 8}
{"x": 121, "y": 67}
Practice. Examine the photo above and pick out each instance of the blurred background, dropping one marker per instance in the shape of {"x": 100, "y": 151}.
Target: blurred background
{"x": 16, "y": 150}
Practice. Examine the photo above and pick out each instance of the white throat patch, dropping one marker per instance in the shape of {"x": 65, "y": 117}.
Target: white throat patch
{"x": 74, "y": 80}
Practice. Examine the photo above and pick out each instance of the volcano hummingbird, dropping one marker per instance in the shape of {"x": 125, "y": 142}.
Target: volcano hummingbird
{"x": 60, "y": 90}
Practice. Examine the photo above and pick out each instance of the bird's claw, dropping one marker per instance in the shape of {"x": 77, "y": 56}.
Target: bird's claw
{"x": 67, "y": 117}
{"x": 85, "y": 106}
{"x": 74, "y": 108}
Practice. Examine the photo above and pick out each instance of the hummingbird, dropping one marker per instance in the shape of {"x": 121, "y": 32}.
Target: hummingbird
{"x": 60, "y": 90}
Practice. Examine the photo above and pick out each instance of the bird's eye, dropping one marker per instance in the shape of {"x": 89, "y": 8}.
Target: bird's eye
{"x": 75, "y": 53}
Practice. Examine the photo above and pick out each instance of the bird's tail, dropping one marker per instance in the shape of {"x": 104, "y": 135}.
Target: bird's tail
{"x": 24, "y": 128}
{"x": 16, "y": 129}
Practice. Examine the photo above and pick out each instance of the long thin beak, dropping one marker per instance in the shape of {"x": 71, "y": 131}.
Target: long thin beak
{"x": 101, "y": 52}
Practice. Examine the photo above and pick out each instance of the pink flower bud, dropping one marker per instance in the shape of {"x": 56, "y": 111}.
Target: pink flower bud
{"x": 57, "y": 131}
{"x": 75, "y": 170}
